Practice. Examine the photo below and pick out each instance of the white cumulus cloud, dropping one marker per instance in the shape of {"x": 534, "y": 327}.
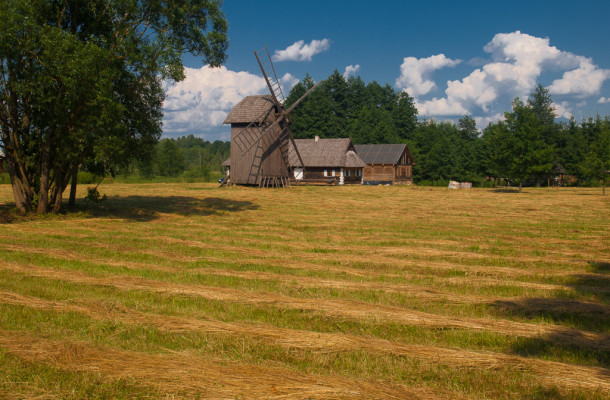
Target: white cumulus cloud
{"x": 203, "y": 99}
{"x": 586, "y": 80}
{"x": 351, "y": 70}
{"x": 300, "y": 51}
{"x": 415, "y": 73}
{"x": 288, "y": 81}
{"x": 563, "y": 109}
{"x": 440, "y": 107}
{"x": 603, "y": 100}
{"x": 517, "y": 62}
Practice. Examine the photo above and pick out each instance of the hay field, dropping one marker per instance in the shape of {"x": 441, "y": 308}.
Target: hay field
{"x": 192, "y": 291}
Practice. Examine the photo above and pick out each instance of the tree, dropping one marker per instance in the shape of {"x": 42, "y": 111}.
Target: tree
{"x": 81, "y": 83}
{"x": 596, "y": 163}
{"x": 169, "y": 158}
{"x": 530, "y": 155}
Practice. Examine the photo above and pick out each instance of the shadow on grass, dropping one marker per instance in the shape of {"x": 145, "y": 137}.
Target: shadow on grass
{"x": 147, "y": 208}
{"x": 138, "y": 208}
{"x": 506, "y": 190}
{"x": 587, "y": 322}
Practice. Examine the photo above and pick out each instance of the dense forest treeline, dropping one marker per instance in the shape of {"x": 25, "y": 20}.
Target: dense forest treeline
{"x": 187, "y": 158}
{"x": 528, "y": 147}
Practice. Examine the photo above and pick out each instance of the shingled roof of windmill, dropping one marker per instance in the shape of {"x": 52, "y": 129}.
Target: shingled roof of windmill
{"x": 250, "y": 109}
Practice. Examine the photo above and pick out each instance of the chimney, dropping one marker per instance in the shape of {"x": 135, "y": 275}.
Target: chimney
{"x": 317, "y": 138}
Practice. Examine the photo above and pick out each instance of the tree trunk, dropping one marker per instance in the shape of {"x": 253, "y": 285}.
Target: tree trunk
{"x": 45, "y": 170}
{"x": 58, "y": 191}
{"x": 22, "y": 191}
{"x": 72, "y": 200}
{"x": 21, "y": 199}
{"x": 520, "y": 187}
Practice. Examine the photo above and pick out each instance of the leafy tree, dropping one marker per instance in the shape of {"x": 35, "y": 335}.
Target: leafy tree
{"x": 541, "y": 103}
{"x": 596, "y": 163}
{"x": 497, "y": 150}
{"x": 170, "y": 160}
{"x": 530, "y": 154}
{"x": 81, "y": 83}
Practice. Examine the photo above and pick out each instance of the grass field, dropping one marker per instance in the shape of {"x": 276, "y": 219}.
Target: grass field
{"x": 192, "y": 291}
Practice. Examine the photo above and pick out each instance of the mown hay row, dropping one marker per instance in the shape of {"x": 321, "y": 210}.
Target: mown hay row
{"x": 553, "y": 373}
{"x": 336, "y": 308}
{"x": 214, "y": 379}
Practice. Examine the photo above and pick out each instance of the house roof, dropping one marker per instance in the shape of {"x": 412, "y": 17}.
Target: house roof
{"x": 250, "y": 109}
{"x": 323, "y": 153}
{"x": 226, "y": 163}
{"x": 328, "y": 153}
{"x": 381, "y": 153}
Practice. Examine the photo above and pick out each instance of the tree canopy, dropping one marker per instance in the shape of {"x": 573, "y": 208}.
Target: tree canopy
{"x": 528, "y": 146}
{"x": 81, "y": 83}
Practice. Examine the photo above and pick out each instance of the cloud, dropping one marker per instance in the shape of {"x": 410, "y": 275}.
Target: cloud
{"x": 200, "y": 103}
{"x": 415, "y": 73}
{"x": 440, "y": 107}
{"x": 603, "y": 100}
{"x": 517, "y": 62}
{"x": 563, "y": 109}
{"x": 483, "y": 121}
{"x": 586, "y": 80}
{"x": 288, "y": 81}
{"x": 351, "y": 70}
{"x": 299, "y": 51}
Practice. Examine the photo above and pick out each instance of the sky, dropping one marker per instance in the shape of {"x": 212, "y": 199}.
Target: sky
{"x": 454, "y": 58}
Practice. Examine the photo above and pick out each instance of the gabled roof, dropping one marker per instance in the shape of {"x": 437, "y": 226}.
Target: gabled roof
{"x": 328, "y": 153}
{"x": 250, "y": 109}
{"x": 323, "y": 153}
{"x": 381, "y": 153}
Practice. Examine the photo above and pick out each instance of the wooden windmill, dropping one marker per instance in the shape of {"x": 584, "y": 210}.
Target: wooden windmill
{"x": 260, "y": 135}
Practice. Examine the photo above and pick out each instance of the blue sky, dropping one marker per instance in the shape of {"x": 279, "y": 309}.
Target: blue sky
{"x": 453, "y": 57}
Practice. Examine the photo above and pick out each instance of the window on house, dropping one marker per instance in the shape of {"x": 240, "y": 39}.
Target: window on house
{"x": 325, "y": 173}
{"x": 347, "y": 173}
{"x": 358, "y": 172}
{"x": 333, "y": 174}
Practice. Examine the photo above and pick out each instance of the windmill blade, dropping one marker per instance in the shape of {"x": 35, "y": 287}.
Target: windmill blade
{"x": 264, "y": 62}
{"x": 249, "y": 136}
{"x": 291, "y": 157}
{"x": 296, "y": 103}
{"x": 265, "y": 132}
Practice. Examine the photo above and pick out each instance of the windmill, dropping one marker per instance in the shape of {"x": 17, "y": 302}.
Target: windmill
{"x": 261, "y": 153}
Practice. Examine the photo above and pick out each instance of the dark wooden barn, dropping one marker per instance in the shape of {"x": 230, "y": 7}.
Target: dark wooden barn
{"x": 386, "y": 163}
{"x": 258, "y": 111}
{"x": 328, "y": 160}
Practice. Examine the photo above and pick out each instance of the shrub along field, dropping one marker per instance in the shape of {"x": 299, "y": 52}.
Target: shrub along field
{"x": 189, "y": 290}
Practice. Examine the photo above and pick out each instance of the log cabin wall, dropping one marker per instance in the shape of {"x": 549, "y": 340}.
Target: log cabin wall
{"x": 379, "y": 173}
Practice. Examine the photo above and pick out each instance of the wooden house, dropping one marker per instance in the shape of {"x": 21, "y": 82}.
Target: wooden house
{"x": 386, "y": 163}
{"x": 325, "y": 160}
{"x": 328, "y": 160}
{"x": 253, "y": 117}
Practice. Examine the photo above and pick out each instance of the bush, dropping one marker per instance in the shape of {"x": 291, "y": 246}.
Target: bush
{"x": 94, "y": 195}
{"x": 86, "y": 178}
{"x": 5, "y": 178}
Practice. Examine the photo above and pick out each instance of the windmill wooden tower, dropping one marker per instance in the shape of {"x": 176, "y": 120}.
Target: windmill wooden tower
{"x": 260, "y": 135}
